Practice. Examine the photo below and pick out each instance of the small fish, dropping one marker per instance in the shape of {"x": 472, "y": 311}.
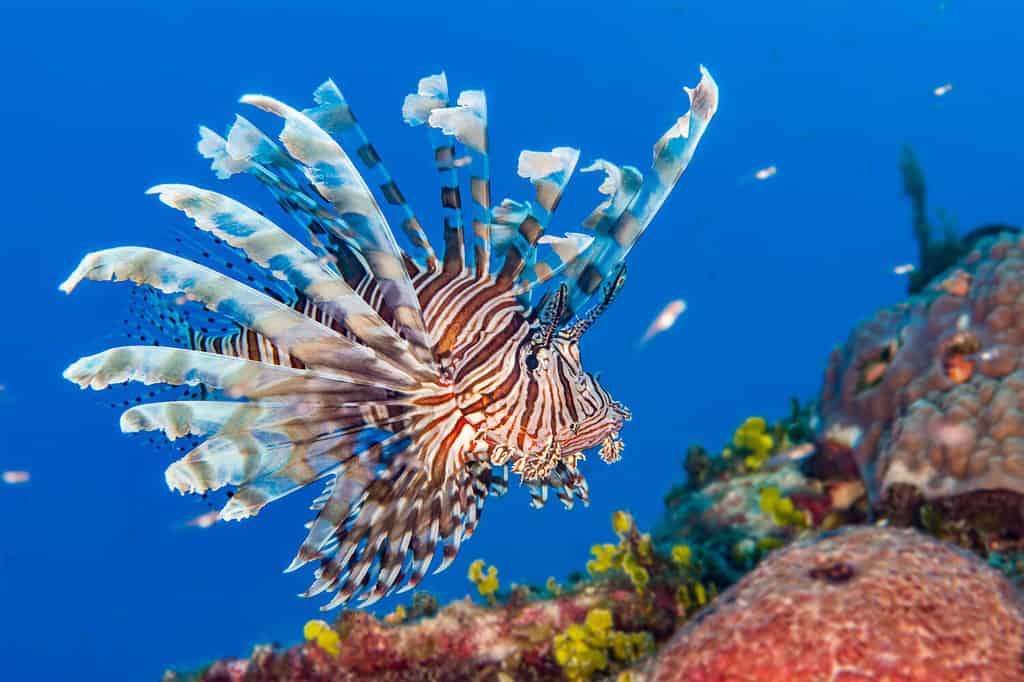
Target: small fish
{"x": 796, "y": 453}
{"x": 942, "y": 90}
{"x": 204, "y": 520}
{"x": 766, "y": 173}
{"x": 665, "y": 319}
{"x": 904, "y": 269}
{"x": 16, "y": 477}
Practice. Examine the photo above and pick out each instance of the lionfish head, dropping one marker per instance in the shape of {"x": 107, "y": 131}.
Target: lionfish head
{"x": 586, "y": 415}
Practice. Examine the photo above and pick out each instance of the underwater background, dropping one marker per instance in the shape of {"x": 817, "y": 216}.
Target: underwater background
{"x": 100, "y": 578}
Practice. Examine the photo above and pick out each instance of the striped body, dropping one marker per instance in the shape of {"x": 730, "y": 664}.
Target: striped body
{"x": 410, "y": 385}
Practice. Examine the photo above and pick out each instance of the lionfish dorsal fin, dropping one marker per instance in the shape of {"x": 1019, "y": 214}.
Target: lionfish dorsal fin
{"x": 549, "y": 172}
{"x": 621, "y": 220}
{"x": 466, "y": 123}
{"x": 550, "y": 263}
{"x": 432, "y": 94}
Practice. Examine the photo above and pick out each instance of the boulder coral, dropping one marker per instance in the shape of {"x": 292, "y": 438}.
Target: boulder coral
{"x": 862, "y": 604}
{"x": 925, "y": 401}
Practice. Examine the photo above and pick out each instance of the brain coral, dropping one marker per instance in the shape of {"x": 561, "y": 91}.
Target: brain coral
{"x": 868, "y": 604}
{"x": 928, "y": 395}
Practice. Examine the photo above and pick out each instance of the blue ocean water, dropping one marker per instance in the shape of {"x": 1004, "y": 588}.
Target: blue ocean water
{"x": 98, "y": 580}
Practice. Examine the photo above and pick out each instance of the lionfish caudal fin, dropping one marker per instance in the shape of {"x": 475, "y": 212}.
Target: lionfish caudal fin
{"x": 336, "y": 380}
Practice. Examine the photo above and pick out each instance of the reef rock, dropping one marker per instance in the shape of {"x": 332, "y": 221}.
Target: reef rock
{"x": 925, "y": 401}
{"x": 863, "y": 604}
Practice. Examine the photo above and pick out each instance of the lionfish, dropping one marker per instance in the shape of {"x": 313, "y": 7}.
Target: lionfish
{"x": 409, "y": 384}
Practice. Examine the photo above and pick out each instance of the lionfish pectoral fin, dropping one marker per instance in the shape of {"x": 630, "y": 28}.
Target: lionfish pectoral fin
{"x": 334, "y": 115}
{"x": 332, "y": 172}
{"x": 272, "y": 248}
{"x": 289, "y": 330}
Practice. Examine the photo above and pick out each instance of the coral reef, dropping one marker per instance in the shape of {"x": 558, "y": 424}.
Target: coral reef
{"x": 925, "y": 401}
{"x": 751, "y": 498}
{"x": 595, "y": 629}
{"x": 675, "y": 605}
{"x": 863, "y": 604}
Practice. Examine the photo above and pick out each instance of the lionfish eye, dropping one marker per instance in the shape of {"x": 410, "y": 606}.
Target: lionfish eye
{"x": 531, "y": 361}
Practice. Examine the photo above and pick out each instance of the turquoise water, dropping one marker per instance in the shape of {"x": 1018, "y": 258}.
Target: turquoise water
{"x": 98, "y": 578}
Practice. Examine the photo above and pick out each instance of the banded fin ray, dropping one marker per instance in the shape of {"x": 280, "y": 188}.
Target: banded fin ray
{"x": 467, "y": 123}
{"x": 331, "y": 171}
{"x": 180, "y": 418}
{"x": 239, "y": 377}
{"x": 549, "y": 172}
{"x": 379, "y": 539}
{"x": 248, "y": 150}
{"x": 291, "y": 331}
{"x": 276, "y": 250}
{"x": 672, "y": 154}
{"x": 565, "y": 250}
{"x": 432, "y": 94}
{"x": 334, "y": 115}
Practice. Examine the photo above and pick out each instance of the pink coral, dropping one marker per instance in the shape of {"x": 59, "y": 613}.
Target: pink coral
{"x": 866, "y": 604}
{"x": 464, "y": 641}
{"x": 928, "y": 395}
